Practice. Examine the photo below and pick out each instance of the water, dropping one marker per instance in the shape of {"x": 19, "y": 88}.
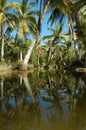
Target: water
{"x": 43, "y": 101}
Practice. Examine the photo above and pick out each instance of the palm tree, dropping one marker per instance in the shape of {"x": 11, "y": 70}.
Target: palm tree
{"x": 63, "y": 8}
{"x": 26, "y": 20}
{"x": 76, "y": 12}
{"x": 39, "y": 52}
{"x": 81, "y": 27}
{"x": 6, "y": 17}
{"x": 27, "y": 85}
{"x": 54, "y": 41}
{"x": 42, "y": 12}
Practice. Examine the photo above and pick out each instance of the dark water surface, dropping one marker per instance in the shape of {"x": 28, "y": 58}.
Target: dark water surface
{"x": 43, "y": 101}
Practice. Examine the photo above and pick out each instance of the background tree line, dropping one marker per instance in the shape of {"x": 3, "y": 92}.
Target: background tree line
{"x": 26, "y": 18}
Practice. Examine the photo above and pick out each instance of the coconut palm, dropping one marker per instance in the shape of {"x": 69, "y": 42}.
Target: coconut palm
{"x": 26, "y": 20}
{"x": 55, "y": 40}
{"x": 6, "y": 17}
{"x": 65, "y": 8}
{"x": 42, "y": 12}
{"x": 74, "y": 10}
{"x": 81, "y": 27}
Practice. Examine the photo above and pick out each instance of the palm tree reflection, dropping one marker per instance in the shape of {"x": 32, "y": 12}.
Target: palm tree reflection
{"x": 27, "y": 85}
{"x": 52, "y": 102}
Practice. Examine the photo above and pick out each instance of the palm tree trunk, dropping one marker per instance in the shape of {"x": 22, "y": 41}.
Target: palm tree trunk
{"x": 49, "y": 57}
{"x": 73, "y": 37}
{"x": 29, "y": 51}
{"x": 2, "y": 36}
{"x": 21, "y": 55}
{"x": 42, "y": 13}
{"x": 2, "y": 49}
{"x": 27, "y": 56}
{"x": 45, "y": 10}
{"x": 2, "y": 86}
{"x": 27, "y": 85}
{"x": 21, "y": 49}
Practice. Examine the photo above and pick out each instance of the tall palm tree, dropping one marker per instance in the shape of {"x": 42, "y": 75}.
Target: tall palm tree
{"x": 55, "y": 39}
{"x": 6, "y": 17}
{"x": 62, "y": 8}
{"x": 26, "y": 20}
{"x": 42, "y": 13}
{"x": 81, "y": 29}
{"x": 72, "y": 9}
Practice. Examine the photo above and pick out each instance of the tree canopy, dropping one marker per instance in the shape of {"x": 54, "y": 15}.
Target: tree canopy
{"x": 26, "y": 19}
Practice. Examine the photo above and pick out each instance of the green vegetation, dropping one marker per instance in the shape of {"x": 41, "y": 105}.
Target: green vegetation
{"x": 59, "y": 50}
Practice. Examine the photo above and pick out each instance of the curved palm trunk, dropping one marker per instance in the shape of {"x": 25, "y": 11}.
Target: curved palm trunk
{"x": 27, "y": 56}
{"x": 29, "y": 51}
{"x": 27, "y": 85}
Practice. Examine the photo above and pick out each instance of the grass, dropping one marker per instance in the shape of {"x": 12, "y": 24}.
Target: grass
{"x": 4, "y": 68}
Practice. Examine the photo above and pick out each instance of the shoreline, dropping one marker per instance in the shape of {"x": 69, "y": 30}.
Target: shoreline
{"x": 8, "y": 69}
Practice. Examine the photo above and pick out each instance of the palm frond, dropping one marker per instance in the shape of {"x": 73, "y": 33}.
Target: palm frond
{"x": 47, "y": 37}
{"x": 55, "y": 16}
{"x": 2, "y": 3}
{"x": 11, "y": 5}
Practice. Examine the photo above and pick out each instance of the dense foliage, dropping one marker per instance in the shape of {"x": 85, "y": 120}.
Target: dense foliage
{"x": 24, "y": 21}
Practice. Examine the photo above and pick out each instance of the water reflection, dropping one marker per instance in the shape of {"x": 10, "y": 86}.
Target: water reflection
{"x": 43, "y": 101}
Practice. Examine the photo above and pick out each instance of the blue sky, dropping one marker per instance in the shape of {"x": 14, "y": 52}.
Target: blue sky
{"x": 45, "y": 26}
{"x": 14, "y": 0}
{"x": 44, "y": 30}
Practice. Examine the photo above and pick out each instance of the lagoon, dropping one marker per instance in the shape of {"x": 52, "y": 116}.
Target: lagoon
{"x": 48, "y": 100}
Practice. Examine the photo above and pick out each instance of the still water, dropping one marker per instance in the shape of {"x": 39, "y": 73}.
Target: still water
{"x": 43, "y": 101}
